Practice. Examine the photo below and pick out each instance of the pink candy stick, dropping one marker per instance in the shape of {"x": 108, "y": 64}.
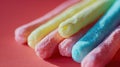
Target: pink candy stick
{"x": 103, "y": 54}
{"x": 66, "y": 45}
{"x": 22, "y": 32}
{"x": 48, "y": 45}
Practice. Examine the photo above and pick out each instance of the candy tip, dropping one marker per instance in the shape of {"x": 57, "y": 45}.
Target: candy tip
{"x": 19, "y": 36}
{"x": 66, "y": 30}
{"x": 79, "y": 51}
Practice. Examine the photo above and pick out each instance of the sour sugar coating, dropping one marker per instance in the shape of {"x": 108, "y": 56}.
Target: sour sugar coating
{"x": 97, "y": 33}
{"x": 65, "y": 47}
{"x": 48, "y": 45}
{"x": 103, "y": 54}
{"x": 22, "y": 32}
{"x": 39, "y": 33}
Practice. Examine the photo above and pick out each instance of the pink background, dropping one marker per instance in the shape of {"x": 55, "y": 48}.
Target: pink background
{"x": 14, "y": 13}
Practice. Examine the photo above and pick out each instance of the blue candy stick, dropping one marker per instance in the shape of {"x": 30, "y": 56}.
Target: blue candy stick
{"x": 97, "y": 33}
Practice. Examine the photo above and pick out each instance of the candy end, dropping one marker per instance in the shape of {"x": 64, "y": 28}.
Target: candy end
{"x": 79, "y": 51}
{"x": 30, "y": 42}
{"x": 66, "y": 30}
{"x": 19, "y": 36}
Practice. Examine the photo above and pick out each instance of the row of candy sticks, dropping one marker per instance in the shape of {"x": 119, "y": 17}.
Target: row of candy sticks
{"x": 86, "y": 30}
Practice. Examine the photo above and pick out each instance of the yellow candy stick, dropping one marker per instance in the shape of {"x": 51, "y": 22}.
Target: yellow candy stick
{"x": 51, "y": 25}
{"x": 83, "y": 18}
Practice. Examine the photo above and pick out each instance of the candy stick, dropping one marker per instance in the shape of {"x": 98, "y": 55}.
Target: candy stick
{"x": 46, "y": 47}
{"x": 51, "y": 25}
{"x": 97, "y": 33}
{"x": 22, "y": 32}
{"x": 83, "y": 18}
{"x": 103, "y": 54}
{"x": 65, "y": 47}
